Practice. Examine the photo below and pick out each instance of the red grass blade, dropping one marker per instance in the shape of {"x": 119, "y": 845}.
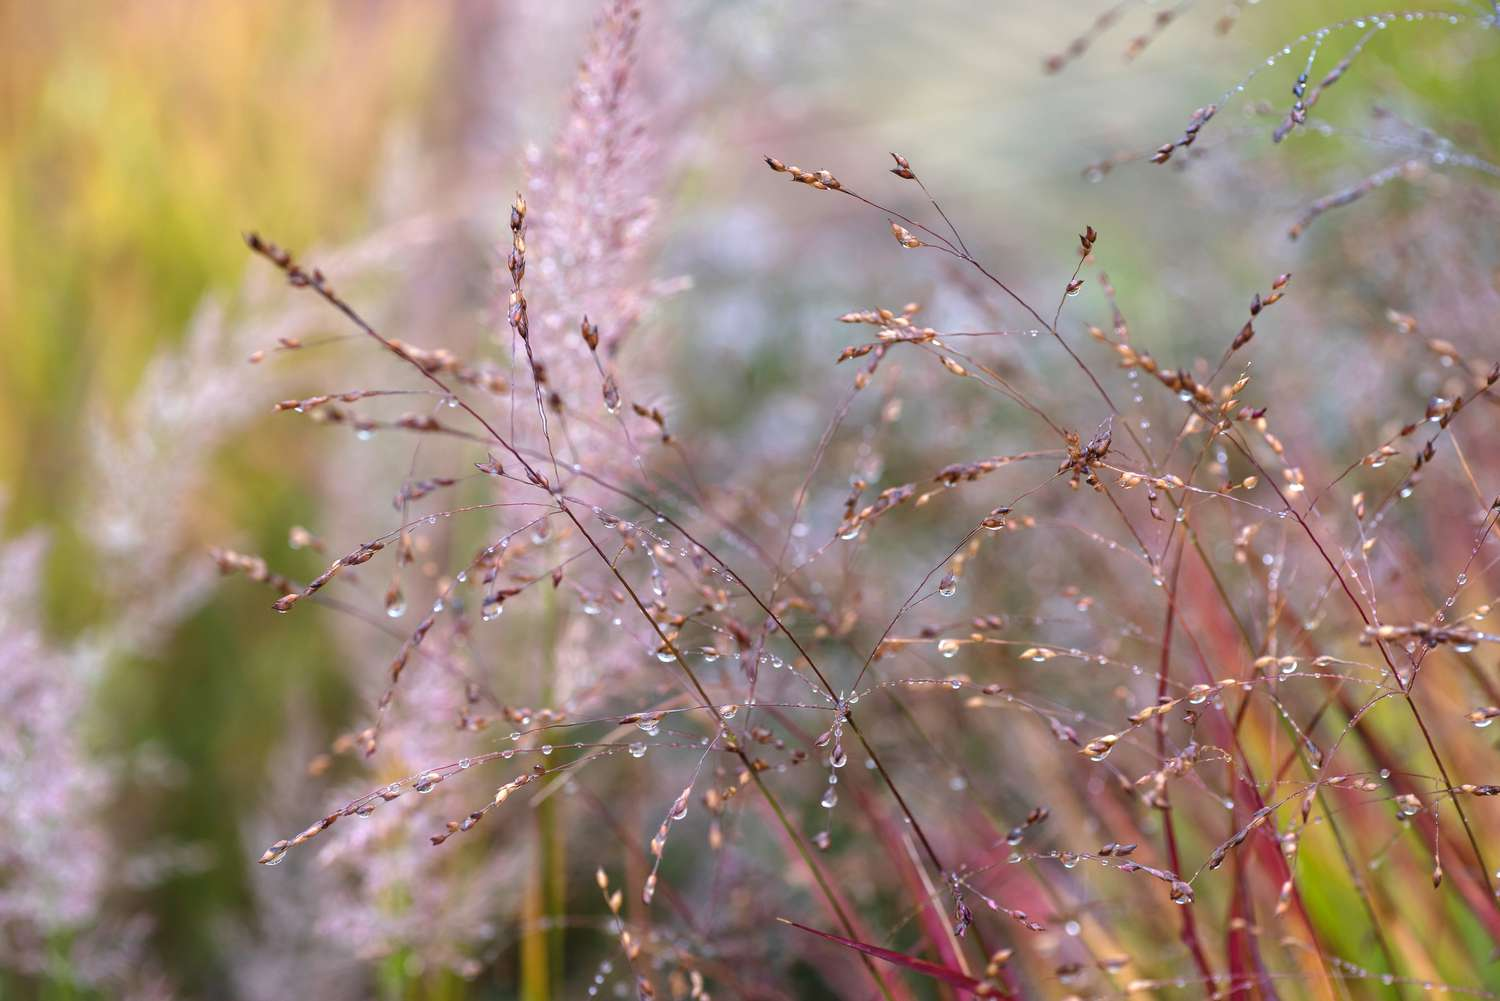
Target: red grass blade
{"x": 928, "y": 969}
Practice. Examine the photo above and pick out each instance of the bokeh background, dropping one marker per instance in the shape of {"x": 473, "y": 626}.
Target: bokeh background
{"x": 139, "y": 141}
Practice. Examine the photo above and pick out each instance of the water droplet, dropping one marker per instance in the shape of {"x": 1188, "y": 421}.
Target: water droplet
{"x": 637, "y": 749}
{"x": 830, "y": 798}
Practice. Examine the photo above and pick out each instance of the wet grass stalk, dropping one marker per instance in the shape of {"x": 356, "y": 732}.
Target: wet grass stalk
{"x": 1205, "y": 739}
{"x": 318, "y": 283}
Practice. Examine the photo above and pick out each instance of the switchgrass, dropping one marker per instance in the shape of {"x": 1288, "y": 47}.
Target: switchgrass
{"x": 1066, "y": 663}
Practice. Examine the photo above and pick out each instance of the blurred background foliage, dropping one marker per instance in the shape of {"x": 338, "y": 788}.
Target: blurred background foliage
{"x": 137, "y": 142}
